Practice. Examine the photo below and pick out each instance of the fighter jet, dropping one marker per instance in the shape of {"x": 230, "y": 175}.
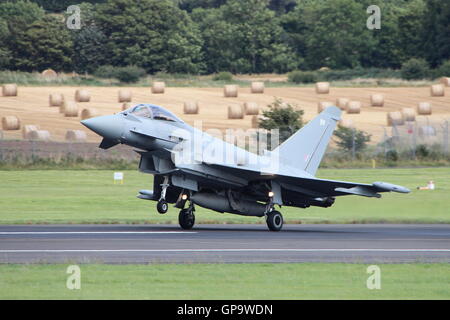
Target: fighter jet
{"x": 191, "y": 167}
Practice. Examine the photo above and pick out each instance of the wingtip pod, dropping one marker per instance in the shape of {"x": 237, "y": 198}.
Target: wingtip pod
{"x": 390, "y": 187}
{"x": 334, "y": 112}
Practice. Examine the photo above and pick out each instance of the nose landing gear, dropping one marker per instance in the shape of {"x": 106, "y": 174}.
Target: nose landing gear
{"x": 162, "y": 205}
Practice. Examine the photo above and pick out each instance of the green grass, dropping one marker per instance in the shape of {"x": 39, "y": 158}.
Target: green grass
{"x": 187, "y": 80}
{"x": 89, "y": 196}
{"x": 236, "y": 281}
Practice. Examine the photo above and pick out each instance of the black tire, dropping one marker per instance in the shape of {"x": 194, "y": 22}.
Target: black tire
{"x": 186, "y": 219}
{"x": 162, "y": 206}
{"x": 274, "y": 221}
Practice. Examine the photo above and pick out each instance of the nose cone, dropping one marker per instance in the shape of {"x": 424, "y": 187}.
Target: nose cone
{"x": 109, "y": 127}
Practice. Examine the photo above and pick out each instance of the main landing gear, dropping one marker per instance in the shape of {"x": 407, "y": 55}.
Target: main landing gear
{"x": 186, "y": 218}
{"x": 274, "y": 220}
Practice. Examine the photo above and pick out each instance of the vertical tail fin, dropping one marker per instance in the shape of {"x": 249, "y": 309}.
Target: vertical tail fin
{"x": 305, "y": 148}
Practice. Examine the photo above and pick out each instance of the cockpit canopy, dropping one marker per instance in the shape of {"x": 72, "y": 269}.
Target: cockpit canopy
{"x": 153, "y": 112}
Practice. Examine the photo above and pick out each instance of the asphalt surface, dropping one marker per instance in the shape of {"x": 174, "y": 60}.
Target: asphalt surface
{"x": 224, "y": 244}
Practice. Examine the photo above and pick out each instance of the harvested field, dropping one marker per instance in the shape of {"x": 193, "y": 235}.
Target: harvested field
{"x": 31, "y": 106}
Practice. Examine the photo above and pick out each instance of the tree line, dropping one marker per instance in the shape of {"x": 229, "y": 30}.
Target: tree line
{"x": 209, "y": 36}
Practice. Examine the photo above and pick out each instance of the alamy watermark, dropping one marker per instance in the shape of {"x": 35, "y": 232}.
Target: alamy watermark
{"x": 73, "y": 21}
{"x": 232, "y": 147}
{"x": 374, "y": 280}
{"x": 374, "y": 20}
{"x": 74, "y": 279}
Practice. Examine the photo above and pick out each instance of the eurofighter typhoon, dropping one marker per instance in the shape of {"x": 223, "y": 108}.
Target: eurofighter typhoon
{"x": 191, "y": 167}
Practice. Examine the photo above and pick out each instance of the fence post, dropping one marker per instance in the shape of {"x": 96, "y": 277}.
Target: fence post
{"x": 353, "y": 144}
{"x": 414, "y": 141}
{"x": 445, "y": 137}
{"x": 385, "y": 137}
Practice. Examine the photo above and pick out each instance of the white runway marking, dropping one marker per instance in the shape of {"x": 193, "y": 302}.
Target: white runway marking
{"x": 93, "y": 232}
{"x": 219, "y": 250}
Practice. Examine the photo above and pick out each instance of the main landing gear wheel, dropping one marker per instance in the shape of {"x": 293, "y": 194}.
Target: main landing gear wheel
{"x": 162, "y": 206}
{"x": 186, "y": 219}
{"x": 274, "y": 220}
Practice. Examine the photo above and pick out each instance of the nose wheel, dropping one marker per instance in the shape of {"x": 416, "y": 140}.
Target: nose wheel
{"x": 186, "y": 218}
{"x": 274, "y": 220}
{"x": 162, "y": 206}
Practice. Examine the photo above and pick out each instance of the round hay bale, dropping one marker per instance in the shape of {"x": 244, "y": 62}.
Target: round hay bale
{"x": 10, "y": 90}
{"x": 55, "y": 100}
{"x": 353, "y": 107}
{"x": 257, "y": 87}
{"x": 125, "y": 95}
{"x": 445, "y": 81}
{"x": 70, "y": 109}
{"x": 190, "y": 107}
{"x": 322, "y": 105}
{"x": 408, "y": 114}
{"x": 341, "y": 103}
{"x": 82, "y": 95}
{"x": 125, "y": 106}
{"x": 158, "y": 87}
{"x": 424, "y": 108}
{"x": 49, "y": 73}
{"x": 395, "y": 118}
{"x": 235, "y": 112}
{"x": 346, "y": 123}
{"x": 26, "y": 129}
{"x": 10, "y": 123}
{"x": 322, "y": 87}
{"x": 437, "y": 90}
{"x": 230, "y": 91}
{"x": 89, "y": 113}
{"x": 427, "y": 131}
{"x": 42, "y": 135}
{"x": 251, "y": 108}
{"x": 377, "y": 100}
{"x": 76, "y": 136}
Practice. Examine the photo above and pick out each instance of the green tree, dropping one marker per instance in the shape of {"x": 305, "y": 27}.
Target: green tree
{"x": 384, "y": 50}
{"x": 244, "y": 36}
{"x": 5, "y": 54}
{"x": 282, "y": 116}
{"x": 190, "y": 5}
{"x": 411, "y": 30}
{"x": 21, "y": 10}
{"x": 351, "y": 139}
{"x": 437, "y": 26}
{"x": 61, "y": 5}
{"x": 329, "y": 33}
{"x": 90, "y": 49}
{"x": 15, "y": 16}
{"x": 415, "y": 69}
{"x": 282, "y": 6}
{"x": 89, "y": 43}
{"x": 45, "y": 43}
{"x": 153, "y": 34}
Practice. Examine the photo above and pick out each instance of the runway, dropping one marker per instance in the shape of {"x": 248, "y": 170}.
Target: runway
{"x": 224, "y": 244}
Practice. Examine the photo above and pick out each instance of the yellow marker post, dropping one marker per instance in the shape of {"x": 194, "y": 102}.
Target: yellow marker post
{"x": 374, "y": 163}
